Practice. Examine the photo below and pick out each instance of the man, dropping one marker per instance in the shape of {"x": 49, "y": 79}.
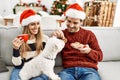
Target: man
{"x": 81, "y": 53}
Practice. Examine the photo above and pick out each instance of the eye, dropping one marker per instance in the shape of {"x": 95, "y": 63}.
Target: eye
{"x": 68, "y": 21}
{"x": 75, "y": 23}
{"x": 31, "y": 24}
{"x": 38, "y": 23}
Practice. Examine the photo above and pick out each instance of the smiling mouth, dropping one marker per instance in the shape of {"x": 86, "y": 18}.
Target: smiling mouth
{"x": 71, "y": 29}
{"x": 35, "y": 30}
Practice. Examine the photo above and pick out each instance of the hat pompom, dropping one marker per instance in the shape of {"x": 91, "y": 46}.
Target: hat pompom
{"x": 28, "y": 16}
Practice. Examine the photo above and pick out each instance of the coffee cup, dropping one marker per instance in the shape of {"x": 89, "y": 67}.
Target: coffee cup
{"x": 24, "y": 37}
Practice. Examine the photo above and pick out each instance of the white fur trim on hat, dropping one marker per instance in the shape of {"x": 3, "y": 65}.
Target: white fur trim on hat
{"x": 31, "y": 19}
{"x": 75, "y": 14}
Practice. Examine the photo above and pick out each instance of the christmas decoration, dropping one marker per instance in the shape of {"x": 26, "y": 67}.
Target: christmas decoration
{"x": 99, "y": 13}
{"x": 39, "y": 1}
{"x": 35, "y": 6}
{"x": 58, "y": 7}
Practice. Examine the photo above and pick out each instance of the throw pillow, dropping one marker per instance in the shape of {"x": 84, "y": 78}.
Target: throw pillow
{"x": 3, "y": 68}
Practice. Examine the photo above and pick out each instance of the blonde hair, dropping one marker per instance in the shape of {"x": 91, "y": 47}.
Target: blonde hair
{"x": 25, "y": 47}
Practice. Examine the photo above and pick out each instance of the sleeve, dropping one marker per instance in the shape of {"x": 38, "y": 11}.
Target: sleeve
{"x": 17, "y": 61}
{"x": 95, "y": 53}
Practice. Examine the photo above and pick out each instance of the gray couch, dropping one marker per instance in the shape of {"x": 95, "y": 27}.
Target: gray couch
{"x": 109, "y": 40}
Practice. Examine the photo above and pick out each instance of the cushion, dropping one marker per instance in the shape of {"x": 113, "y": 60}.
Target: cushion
{"x": 7, "y": 34}
{"x": 3, "y": 68}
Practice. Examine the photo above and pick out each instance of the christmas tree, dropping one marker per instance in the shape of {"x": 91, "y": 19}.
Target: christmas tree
{"x": 58, "y": 7}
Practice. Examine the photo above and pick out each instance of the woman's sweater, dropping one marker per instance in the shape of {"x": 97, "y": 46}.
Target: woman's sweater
{"x": 19, "y": 62}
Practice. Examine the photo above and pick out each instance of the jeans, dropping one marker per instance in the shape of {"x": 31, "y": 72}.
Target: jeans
{"x": 79, "y": 73}
{"x": 15, "y": 75}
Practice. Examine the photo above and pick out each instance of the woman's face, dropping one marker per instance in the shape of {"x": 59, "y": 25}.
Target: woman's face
{"x": 73, "y": 24}
{"x": 33, "y": 27}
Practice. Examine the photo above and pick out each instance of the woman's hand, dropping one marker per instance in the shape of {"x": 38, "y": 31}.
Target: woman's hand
{"x": 83, "y": 48}
{"x": 17, "y": 42}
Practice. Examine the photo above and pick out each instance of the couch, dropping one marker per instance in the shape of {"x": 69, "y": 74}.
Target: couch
{"x": 108, "y": 37}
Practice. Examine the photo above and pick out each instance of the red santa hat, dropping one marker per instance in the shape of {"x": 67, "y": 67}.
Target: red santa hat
{"x": 28, "y": 16}
{"x": 75, "y": 11}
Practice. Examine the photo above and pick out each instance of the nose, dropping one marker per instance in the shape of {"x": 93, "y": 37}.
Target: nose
{"x": 71, "y": 25}
{"x": 35, "y": 27}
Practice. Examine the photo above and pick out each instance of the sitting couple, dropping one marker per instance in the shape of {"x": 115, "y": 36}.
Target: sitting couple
{"x": 80, "y": 54}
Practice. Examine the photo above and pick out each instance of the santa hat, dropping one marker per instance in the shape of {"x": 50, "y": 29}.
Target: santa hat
{"x": 28, "y": 16}
{"x": 75, "y": 11}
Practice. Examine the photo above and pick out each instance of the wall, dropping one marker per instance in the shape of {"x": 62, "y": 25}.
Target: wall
{"x": 117, "y": 15}
{"x": 5, "y": 7}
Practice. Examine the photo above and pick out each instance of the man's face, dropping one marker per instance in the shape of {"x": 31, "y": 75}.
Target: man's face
{"x": 73, "y": 24}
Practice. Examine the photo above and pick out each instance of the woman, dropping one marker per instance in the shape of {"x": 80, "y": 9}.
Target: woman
{"x": 24, "y": 51}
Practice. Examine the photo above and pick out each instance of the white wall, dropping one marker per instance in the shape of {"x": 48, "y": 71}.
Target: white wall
{"x": 117, "y": 15}
{"x": 5, "y": 7}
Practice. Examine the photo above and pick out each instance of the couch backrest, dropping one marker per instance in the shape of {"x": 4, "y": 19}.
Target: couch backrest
{"x": 7, "y": 34}
{"x": 108, "y": 39}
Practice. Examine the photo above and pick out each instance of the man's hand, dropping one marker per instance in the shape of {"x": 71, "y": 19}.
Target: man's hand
{"x": 83, "y": 48}
{"x": 59, "y": 34}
